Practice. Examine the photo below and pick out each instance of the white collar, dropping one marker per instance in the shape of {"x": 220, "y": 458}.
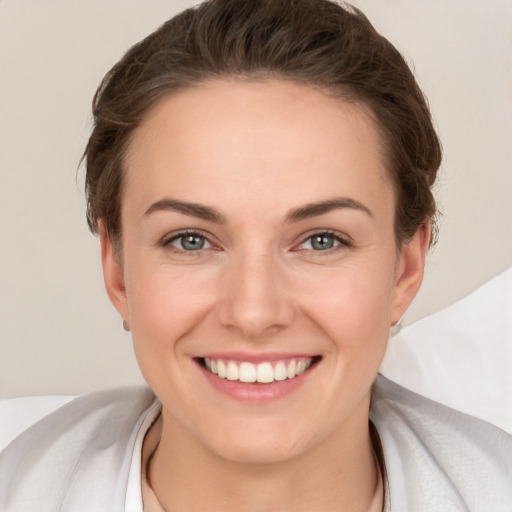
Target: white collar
{"x": 133, "y": 501}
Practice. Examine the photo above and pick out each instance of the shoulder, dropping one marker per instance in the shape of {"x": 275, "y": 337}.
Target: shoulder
{"x": 20, "y": 413}
{"x": 83, "y": 445}
{"x": 438, "y": 458}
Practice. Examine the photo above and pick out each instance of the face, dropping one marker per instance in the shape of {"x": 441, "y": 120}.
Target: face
{"x": 258, "y": 244}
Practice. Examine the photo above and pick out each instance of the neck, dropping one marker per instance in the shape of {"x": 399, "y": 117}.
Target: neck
{"x": 338, "y": 474}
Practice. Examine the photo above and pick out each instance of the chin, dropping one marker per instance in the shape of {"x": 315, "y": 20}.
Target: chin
{"x": 257, "y": 451}
{"x": 259, "y": 442}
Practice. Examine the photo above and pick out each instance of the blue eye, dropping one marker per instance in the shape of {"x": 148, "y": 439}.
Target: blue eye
{"x": 322, "y": 242}
{"x": 189, "y": 242}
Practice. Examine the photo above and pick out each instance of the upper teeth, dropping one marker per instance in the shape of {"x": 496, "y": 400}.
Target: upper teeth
{"x": 265, "y": 372}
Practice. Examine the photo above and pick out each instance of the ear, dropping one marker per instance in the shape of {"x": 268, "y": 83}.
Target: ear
{"x": 409, "y": 273}
{"x": 113, "y": 273}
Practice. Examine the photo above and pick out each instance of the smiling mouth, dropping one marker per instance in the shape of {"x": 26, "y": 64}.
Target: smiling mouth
{"x": 265, "y": 372}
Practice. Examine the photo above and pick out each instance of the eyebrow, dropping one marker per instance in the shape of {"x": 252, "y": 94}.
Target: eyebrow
{"x": 212, "y": 215}
{"x": 315, "y": 209}
{"x": 192, "y": 209}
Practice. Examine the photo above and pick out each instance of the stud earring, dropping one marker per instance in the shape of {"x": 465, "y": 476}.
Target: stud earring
{"x": 395, "y": 328}
{"x": 126, "y": 327}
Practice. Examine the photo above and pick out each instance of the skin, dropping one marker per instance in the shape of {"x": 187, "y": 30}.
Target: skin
{"x": 256, "y": 152}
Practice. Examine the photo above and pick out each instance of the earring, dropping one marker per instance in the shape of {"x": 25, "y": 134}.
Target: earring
{"x": 126, "y": 327}
{"x": 395, "y": 328}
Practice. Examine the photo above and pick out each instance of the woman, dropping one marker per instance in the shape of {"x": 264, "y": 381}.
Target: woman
{"x": 260, "y": 176}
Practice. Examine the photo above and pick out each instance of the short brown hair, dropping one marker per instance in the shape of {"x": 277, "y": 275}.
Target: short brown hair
{"x": 314, "y": 42}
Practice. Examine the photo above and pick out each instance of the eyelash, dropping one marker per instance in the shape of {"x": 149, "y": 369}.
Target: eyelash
{"x": 167, "y": 241}
{"x": 342, "y": 241}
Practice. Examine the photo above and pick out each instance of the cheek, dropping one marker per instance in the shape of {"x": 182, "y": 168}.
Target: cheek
{"x": 165, "y": 304}
{"x": 353, "y": 306}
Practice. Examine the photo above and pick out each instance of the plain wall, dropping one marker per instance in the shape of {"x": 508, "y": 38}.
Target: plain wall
{"x": 58, "y": 331}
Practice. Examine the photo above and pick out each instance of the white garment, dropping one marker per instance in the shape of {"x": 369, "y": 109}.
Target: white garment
{"x": 85, "y": 457}
{"x": 133, "y": 502}
{"x": 18, "y": 414}
{"x": 78, "y": 458}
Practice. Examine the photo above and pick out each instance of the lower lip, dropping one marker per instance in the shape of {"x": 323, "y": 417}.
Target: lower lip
{"x": 256, "y": 392}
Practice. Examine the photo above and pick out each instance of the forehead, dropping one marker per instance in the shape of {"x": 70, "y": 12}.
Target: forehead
{"x": 260, "y": 136}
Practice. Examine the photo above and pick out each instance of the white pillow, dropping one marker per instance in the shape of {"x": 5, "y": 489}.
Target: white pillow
{"x": 462, "y": 355}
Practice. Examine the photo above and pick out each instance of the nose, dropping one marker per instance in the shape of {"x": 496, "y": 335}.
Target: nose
{"x": 255, "y": 297}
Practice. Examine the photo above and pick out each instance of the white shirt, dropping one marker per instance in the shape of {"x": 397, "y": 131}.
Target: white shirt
{"x": 86, "y": 456}
{"x": 134, "y": 501}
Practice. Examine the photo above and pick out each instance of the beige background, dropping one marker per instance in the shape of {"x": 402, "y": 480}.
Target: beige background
{"x": 58, "y": 331}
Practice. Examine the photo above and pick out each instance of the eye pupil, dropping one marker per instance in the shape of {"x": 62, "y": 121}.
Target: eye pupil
{"x": 322, "y": 242}
{"x": 192, "y": 242}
